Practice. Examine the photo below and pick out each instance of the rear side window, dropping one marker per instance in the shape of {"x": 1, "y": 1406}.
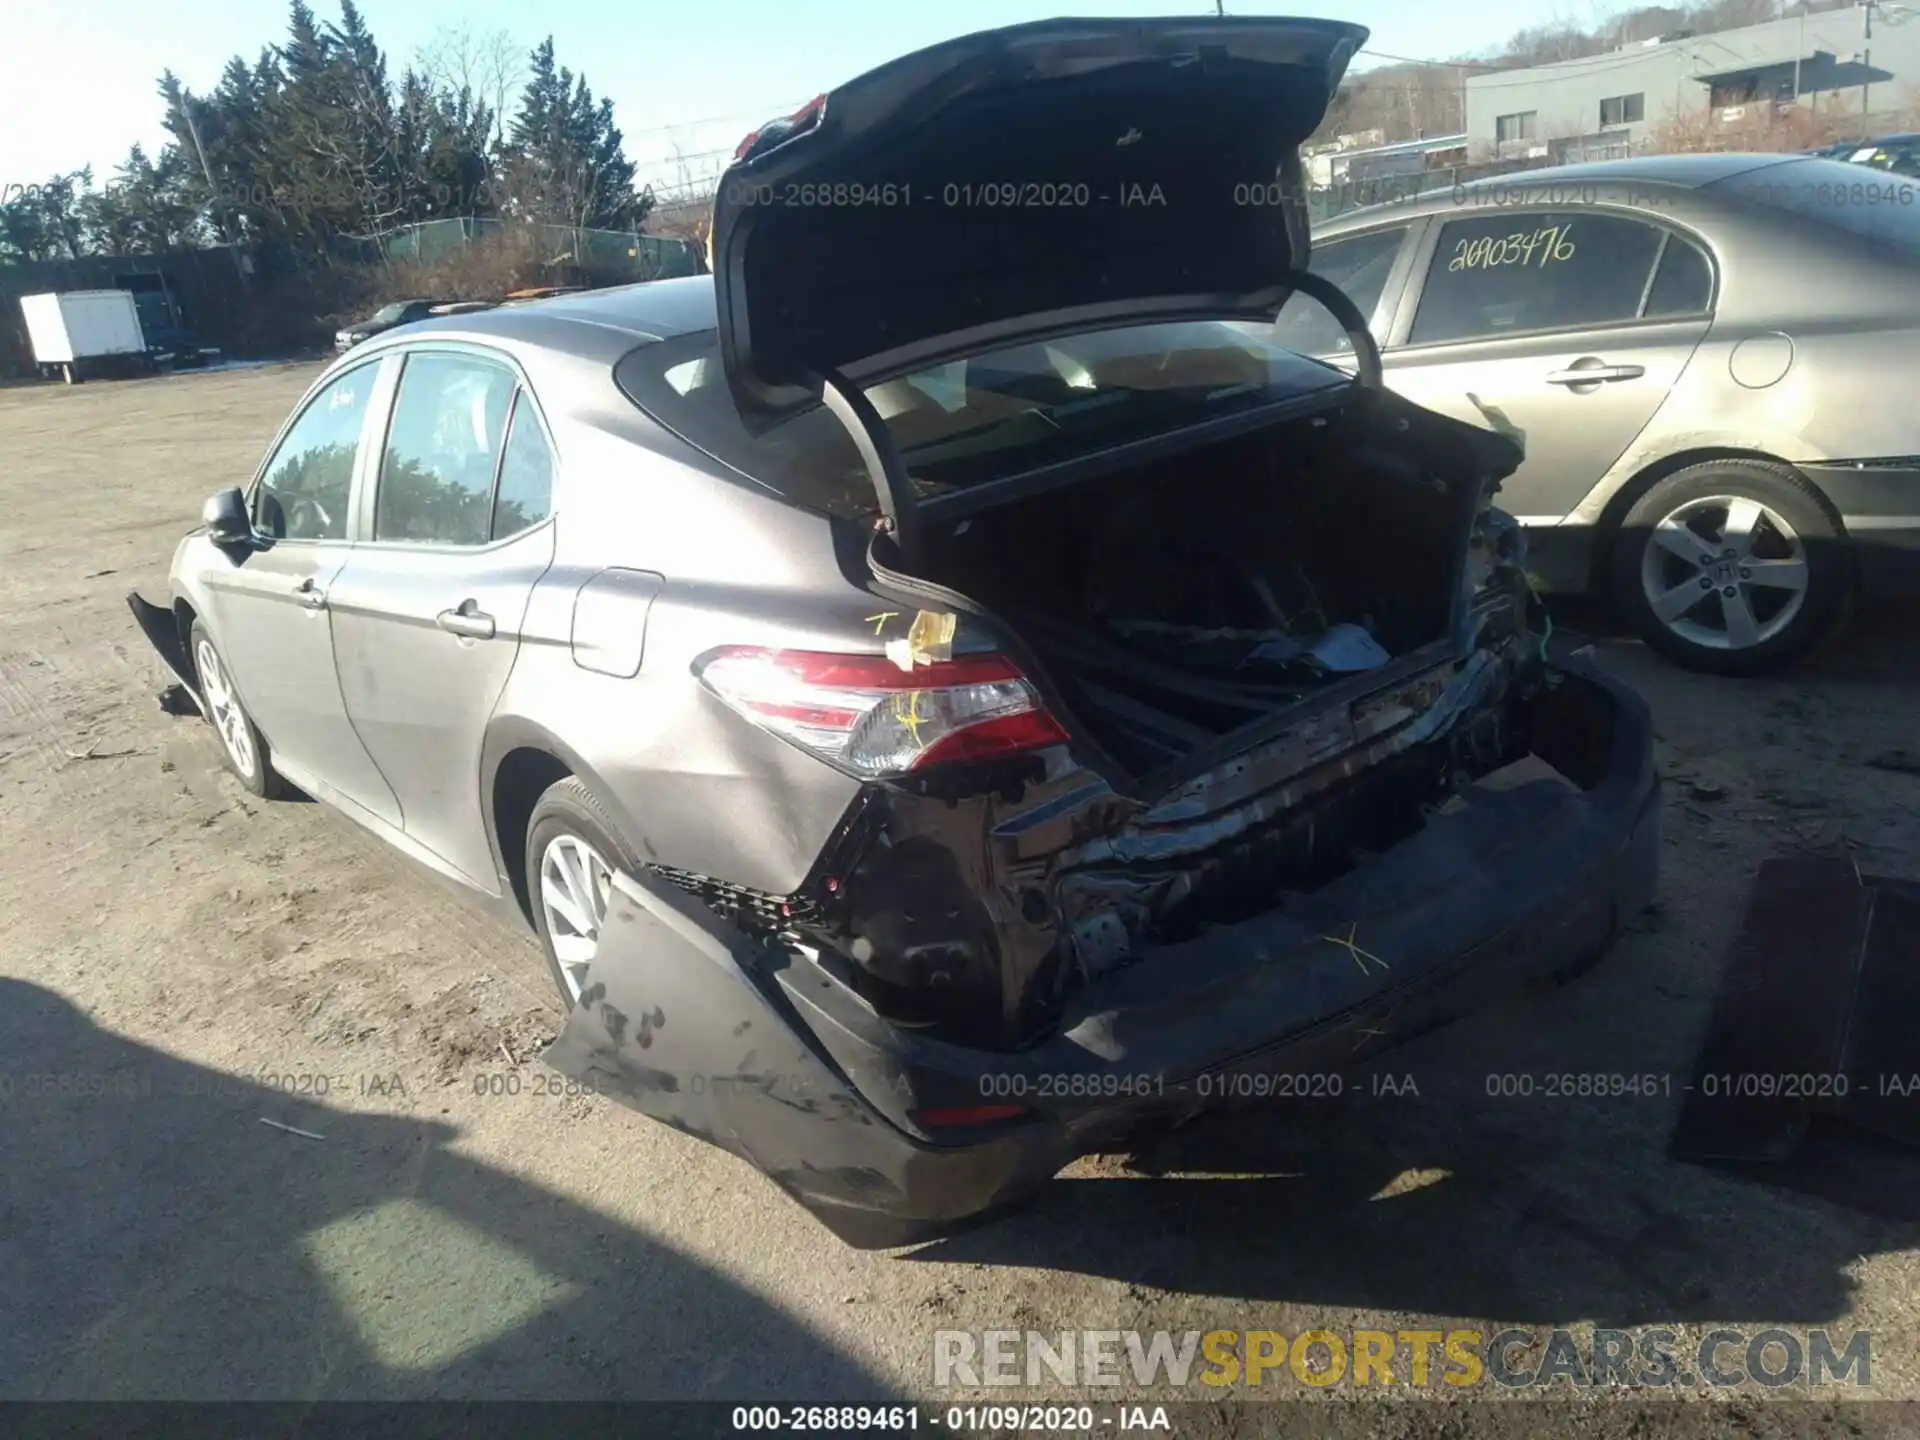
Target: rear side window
{"x": 1510, "y": 273}
{"x": 443, "y": 450}
{"x": 1359, "y": 265}
{"x": 807, "y": 461}
{"x": 525, "y": 494}
{"x": 304, "y": 491}
{"x": 1683, "y": 283}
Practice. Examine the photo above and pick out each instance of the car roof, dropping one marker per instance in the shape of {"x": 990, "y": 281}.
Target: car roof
{"x": 1674, "y": 172}
{"x": 594, "y": 327}
{"x": 644, "y": 312}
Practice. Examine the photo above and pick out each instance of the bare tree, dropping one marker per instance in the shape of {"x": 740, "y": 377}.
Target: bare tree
{"x": 487, "y": 67}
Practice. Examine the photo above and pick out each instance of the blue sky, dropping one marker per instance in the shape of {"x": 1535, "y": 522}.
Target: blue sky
{"x": 77, "y": 76}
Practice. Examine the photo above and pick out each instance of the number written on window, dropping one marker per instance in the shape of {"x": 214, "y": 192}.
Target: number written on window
{"x": 1542, "y": 247}
{"x": 1510, "y": 274}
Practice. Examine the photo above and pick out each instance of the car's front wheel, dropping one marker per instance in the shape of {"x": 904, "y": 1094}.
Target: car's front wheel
{"x": 572, "y": 852}
{"x": 1735, "y": 567}
{"x": 248, "y": 756}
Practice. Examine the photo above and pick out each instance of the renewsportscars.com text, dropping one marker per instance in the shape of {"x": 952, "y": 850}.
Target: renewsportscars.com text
{"x": 1515, "y": 1358}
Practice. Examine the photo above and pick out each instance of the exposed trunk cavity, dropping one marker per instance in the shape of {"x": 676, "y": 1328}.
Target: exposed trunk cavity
{"x": 1291, "y": 651}
{"x": 1195, "y": 595}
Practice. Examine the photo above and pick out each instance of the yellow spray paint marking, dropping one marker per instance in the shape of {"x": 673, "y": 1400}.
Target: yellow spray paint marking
{"x": 906, "y": 709}
{"x": 1360, "y": 957}
{"x": 879, "y": 622}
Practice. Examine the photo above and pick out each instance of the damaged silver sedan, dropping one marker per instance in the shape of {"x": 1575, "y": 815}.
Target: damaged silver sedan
{"x": 950, "y": 688}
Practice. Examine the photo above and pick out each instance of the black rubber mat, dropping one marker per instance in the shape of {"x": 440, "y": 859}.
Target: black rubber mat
{"x": 1777, "y": 1046}
{"x": 1883, "y": 1061}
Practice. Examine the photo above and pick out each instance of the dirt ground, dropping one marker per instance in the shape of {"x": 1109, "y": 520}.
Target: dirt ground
{"x": 193, "y": 962}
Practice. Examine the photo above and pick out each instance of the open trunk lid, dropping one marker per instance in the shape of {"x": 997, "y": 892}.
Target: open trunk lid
{"x": 1050, "y": 176}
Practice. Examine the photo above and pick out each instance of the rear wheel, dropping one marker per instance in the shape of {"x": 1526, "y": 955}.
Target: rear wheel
{"x": 572, "y": 852}
{"x": 248, "y": 756}
{"x": 1734, "y": 567}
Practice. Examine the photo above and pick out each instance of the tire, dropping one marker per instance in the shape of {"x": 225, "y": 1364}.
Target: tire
{"x": 572, "y": 844}
{"x": 1748, "y": 519}
{"x": 245, "y": 749}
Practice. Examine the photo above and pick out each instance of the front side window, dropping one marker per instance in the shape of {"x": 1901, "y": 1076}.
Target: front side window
{"x": 1359, "y": 265}
{"x": 304, "y": 491}
{"x": 1514, "y": 272}
{"x": 443, "y": 450}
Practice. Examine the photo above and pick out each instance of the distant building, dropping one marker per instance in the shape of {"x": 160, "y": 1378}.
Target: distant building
{"x": 1357, "y": 158}
{"x": 1605, "y": 106}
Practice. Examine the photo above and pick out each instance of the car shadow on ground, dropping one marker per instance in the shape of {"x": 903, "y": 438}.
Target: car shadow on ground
{"x": 1455, "y": 1206}
{"x": 1875, "y": 644}
{"x": 1460, "y": 1202}
{"x": 158, "y": 1241}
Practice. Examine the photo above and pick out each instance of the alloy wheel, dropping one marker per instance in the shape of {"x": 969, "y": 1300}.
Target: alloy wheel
{"x": 575, "y": 885}
{"x": 1724, "y": 572}
{"x": 224, "y": 708}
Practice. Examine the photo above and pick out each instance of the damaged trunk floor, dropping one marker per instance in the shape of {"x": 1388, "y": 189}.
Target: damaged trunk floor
{"x": 1817, "y": 1022}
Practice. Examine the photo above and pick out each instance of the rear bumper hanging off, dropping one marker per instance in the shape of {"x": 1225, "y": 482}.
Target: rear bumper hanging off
{"x": 688, "y": 1020}
{"x": 163, "y": 633}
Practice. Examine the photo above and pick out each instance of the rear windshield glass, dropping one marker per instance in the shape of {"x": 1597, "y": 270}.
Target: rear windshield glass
{"x": 984, "y": 417}
{"x": 1858, "y": 199}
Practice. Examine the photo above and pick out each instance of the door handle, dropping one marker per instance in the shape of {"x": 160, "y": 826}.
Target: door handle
{"x": 468, "y": 621}
{"x": 1595, "y": 374}
{"x": 310, "y": 594}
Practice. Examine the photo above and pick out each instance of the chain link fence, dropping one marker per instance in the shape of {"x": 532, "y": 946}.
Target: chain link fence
{"x": 609, "y": 255}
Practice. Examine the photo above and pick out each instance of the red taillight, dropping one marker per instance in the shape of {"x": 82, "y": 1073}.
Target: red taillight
{"x": 967, "y": 1115}
{"x": 865, "y": 714}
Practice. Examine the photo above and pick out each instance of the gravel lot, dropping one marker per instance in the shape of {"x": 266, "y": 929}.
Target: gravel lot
{"x": 201, "y": 961}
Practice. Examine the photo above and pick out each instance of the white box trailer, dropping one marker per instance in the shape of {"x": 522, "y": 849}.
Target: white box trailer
{"x": 81, "y": 331}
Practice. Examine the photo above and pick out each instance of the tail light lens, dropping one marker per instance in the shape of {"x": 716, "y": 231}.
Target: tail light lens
{"x": 959, "y": 1116}
{"x": 867, "y": 715}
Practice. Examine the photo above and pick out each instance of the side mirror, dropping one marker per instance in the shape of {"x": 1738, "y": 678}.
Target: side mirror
{"x": 226, "y": 519}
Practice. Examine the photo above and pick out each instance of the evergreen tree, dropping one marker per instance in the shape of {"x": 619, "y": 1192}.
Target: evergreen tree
{"x": 564, "y": 160}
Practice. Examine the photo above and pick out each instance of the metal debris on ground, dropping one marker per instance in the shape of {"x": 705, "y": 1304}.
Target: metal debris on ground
{"x": 291, "y": 1129}
{"x": 1818, "y": 1016}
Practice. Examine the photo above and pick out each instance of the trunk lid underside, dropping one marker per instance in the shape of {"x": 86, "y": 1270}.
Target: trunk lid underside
{"x": 1055, "y": 169}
